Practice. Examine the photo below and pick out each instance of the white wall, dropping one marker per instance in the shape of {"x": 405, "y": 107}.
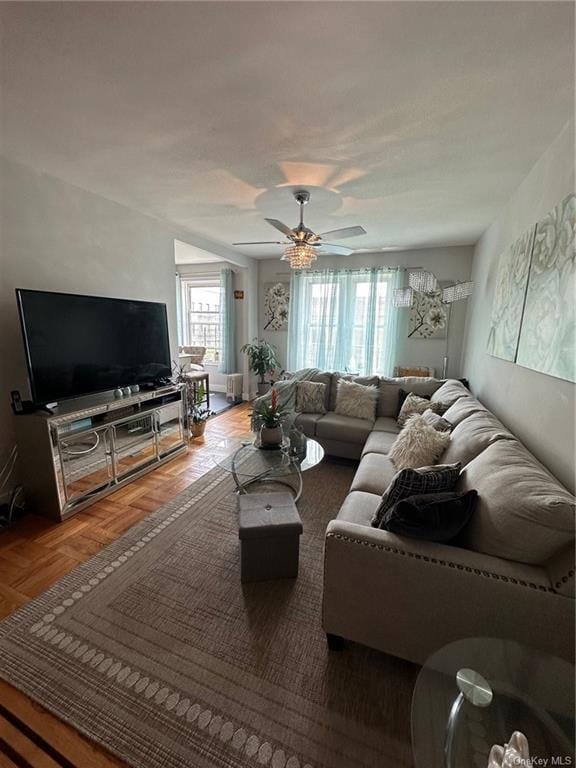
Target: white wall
{"x": 539, "y": 409}
{"x": 450, "y": 263}
{"x": 54, "y": 236}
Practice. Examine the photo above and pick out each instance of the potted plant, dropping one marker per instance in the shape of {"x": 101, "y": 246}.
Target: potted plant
{"x": 262, "y": 360}
{"x": 198, "y": 412}
{"x": 269, "y": 418}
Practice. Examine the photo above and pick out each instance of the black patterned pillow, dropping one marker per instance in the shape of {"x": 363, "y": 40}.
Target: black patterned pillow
{"x": 412, "y": 482}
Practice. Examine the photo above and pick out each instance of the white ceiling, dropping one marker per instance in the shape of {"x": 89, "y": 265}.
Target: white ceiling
{"x": 416, "y": 120}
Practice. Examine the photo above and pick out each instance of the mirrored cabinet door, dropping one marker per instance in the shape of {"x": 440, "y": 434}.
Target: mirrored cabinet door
{"x": 170, "y": 427}
{"x": 134, "y": 444}
{"x": 83, "y": 462}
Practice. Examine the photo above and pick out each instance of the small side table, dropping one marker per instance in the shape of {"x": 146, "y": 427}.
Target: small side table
{"x": 195, "y": 378}
{"x": 269, "y": 529}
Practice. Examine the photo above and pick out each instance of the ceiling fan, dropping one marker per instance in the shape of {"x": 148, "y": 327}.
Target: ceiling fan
{"x": 303, "y": 244}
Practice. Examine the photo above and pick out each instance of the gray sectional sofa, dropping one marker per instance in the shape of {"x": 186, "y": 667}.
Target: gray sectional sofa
{"x": 512, "y": 573}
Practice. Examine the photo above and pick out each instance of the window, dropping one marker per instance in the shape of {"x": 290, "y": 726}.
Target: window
{"x": 200, "y": 302}
{"x": 343, "y": 320}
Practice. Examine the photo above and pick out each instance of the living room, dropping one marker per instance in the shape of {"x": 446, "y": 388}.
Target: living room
{"x": 287, "y": 451}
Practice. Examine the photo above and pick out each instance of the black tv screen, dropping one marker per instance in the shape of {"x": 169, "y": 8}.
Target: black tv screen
{"x": 77, "y": 345}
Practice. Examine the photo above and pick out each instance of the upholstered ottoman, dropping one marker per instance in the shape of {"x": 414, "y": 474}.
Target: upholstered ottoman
{"x": 269, "y": 532}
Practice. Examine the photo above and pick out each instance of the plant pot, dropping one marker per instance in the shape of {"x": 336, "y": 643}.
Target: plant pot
{"x": 271, "y": 436}
{"x": 197, "y": 428}
{"x": 262, "y": 388}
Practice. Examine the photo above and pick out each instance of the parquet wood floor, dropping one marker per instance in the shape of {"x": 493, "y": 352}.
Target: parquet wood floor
{"x": 36, "y": 552}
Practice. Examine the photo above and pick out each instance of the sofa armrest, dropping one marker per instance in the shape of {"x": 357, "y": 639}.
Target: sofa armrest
{"x": 384, "y": 590}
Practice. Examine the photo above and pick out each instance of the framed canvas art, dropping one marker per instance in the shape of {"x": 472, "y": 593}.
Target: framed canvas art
{"x": 428, "y": 316}
{"x": 276, "y": 304}
{"x": 548, "y": 334}
{"x": 509, "y": 295}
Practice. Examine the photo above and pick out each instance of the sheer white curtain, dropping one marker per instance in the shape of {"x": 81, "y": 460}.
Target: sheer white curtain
{"x": 344, "y": 320}
{"x": 227, "y": 322}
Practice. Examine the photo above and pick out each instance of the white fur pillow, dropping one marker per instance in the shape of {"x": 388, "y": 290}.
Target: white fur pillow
{"x": 356, "y": 400}
{"x": 418, "y": 445}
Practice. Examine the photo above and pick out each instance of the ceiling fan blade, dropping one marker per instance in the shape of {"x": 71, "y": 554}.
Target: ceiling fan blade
{"x": 339, "y": 234}
{"x": 282, "y": 227}
{"x": 261, "y": 242}
{"x": 337, "y": 250}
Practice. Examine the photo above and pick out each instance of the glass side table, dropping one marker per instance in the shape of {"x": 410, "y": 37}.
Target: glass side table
{"x": 476, "y": 692}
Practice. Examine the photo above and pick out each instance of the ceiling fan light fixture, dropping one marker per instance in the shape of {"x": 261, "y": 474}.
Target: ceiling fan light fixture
{"x": 423, "y": 281}
{"x": 403, "y": 297}
{"x": 300, "y": 256}
{"x": 457, "y": 292}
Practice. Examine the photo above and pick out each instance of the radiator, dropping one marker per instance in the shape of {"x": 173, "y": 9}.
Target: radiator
{"x": 234, "y": 383}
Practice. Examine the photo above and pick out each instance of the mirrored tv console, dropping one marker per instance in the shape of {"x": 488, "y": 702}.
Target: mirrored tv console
{"x": 81, "y": 453}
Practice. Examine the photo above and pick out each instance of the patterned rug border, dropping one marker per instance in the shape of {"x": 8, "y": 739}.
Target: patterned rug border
{"x": 89, "y": 575}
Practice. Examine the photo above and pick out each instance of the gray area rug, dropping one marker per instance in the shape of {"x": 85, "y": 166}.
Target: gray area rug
{"x": 155, "y": 650}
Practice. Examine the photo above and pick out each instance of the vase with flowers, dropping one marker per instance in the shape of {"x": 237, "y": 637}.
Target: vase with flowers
{"x": 268, "y": 418}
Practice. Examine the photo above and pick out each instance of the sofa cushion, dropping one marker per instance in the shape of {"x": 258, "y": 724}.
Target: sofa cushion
{"x": 333, "y": 426}
{"x": 366, "y": 381}
{"x": 390, "y": 391}
{"x": 356, "y": 400}
{"x": 311, "y": 397}
{"x": 449, "y": 392}
{"x": 473, "y": 435}
{"x": 307, "y": 422}
{"x": 462, "y": 408}
{"x": 359, "y": 507}
{"x": 379, "y": 442}
{"x": 374, "y": 474}
{"x": 386, "y": 424}
{"x": 418, "y": 445}
{"x": 523, "y": 513}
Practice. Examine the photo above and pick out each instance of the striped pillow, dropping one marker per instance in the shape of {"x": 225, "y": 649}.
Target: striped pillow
{"x": 413, "y": 482}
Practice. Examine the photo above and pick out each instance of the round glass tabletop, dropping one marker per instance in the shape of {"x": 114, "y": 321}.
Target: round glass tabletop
{"x": 246, "y": 460}
{"x": 475, "y": 693}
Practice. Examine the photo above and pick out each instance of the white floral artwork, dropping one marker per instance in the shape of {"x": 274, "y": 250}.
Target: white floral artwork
{"x": 428, "y": 316}
{"x": 276, "y": 303}
{"x": 548, "y": 335}
{"x": 509, "y": 295}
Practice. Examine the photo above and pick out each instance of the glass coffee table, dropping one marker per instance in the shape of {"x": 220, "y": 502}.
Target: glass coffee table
{"x": 249, "y": 464}
{"x": 476, "y": 692}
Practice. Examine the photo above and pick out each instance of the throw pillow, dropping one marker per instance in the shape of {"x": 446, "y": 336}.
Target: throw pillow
{"x": 418, "y": 445}
{"x": 434, "y": 419}
{"x": 356, "y": 400}
{"x": 416, "y": 404}
{"x": 431, "y": 516}
{"x": 310, "y": 397}
{"x": 411, "y": 482}
{"x": 403, "y": 394}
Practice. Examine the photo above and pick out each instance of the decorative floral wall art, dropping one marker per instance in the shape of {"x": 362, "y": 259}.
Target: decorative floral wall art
{"x": 509, "y": 295}
{"x": 548, "y": 335}
{"x": 428, "y": 316}
{"x": 276, "y": 304}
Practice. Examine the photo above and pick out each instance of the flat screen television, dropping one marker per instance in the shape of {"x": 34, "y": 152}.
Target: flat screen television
{"x": 78, "y": 345}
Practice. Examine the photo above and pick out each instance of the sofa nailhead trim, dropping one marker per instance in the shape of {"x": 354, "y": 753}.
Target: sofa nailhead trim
{"x": 448, "y": 563}
{"x": 564, "y": 579}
